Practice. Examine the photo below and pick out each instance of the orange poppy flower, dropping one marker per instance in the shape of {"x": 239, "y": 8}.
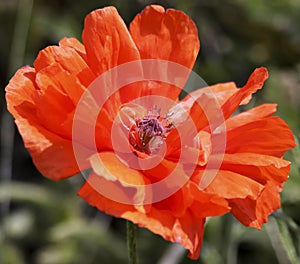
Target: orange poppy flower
{"x": 216, "y": 165}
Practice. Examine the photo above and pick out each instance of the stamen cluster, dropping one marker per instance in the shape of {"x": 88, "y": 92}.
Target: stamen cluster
{"x": 148, "y": 133}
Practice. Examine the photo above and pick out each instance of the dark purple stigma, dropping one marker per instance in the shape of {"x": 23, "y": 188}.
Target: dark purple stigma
{"x": 150, "y": 127}
{"x": 148, "y": 133}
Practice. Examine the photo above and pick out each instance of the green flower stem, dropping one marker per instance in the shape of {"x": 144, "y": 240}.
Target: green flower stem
{"x": 131, "y": 242}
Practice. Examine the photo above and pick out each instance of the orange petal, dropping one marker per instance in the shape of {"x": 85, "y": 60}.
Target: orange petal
{"x": 53, "y": 155}
{"x": 107, "y": 40}
{"x": 69, "y": 59}
{"x": 221, "y": 92}
{"x": 167, "y": 35}
{"x": 255, "y": 212}
{"x": 188, "y": 196}
{"x": 205, "y": 111}
{"x": 165, "y": 90}
{"x": 103, "y": 132}
{"x": 105, "y": 194}
{"x": 108, "y": 165}
{"x": 243, "y": 95}
{"x": 177, "y": 203}
{"x": 261, "y": 168}
{"x": 173, "y": 145}
{"x": 190, "y": 117}
{"x": 187, "y": 230}
{"x": 54, "y": 107}
{"x": 251, "y": 115}
{"x": 20, "y": 89}
{"x": 161, "y": 171}
{"x": 232, "y": 185}
{"x": 169, "y": 175}
{"x": 74, "y": 44}
{"x": 268, "y": 136}
{"x": 207, "y": 204}
{"x": 63, "y": 82}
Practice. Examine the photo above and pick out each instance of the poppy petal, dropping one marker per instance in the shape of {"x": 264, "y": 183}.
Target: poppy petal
{"x": 108, "y": 165}
{"x": 184, "y": 230}
{"x": 69, "y": 59}
{"x": 20, "y": 89}
{"x": 189, "y": 193}
{"x": 55, "y": 99}
{"x": 251, "y": 115}
{"x": 243, "y": 95}
{"x": 220, "y": 92}
{"x": 74, "y": 44}
{"x": 261, "y": 168}
{"x": 53, "y": 155}
{"x": 107, "y": 40}
{"x": 190, "y": 119}
{"x": 268, "y": 136}
{"x": 232, "y": 185}
{"x": 167, "y": 35}
{"x": 254, "y": 213}
{"x": 207, "y": 204}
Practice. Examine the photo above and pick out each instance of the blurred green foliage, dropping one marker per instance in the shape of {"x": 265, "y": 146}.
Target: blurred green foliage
{"x": 46, "y": 223}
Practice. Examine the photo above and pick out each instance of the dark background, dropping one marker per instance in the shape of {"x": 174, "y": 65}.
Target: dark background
{"x": 44, "y": 222}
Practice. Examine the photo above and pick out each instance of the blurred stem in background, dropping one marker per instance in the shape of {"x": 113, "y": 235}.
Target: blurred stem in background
{"x": 17, "y": 52}
{"x": 278, "y": 229}
{"x": 131, "y": 242}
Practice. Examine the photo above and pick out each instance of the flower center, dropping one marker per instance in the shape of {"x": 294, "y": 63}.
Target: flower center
{"x": 148, "y": 134}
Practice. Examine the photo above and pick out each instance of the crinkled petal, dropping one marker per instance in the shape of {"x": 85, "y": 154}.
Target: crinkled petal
{"x": 230, "y": 185}
{"x": 107, "y": 40}
{"x": 186, "y": 230}
{"x": 69, "y": 59}
{"x": 52, "y": 154}
{"x": 56, "y": 98}
{"x": 108, "y": 165}
{"x": 255, "y": 212}
{"x": 74, "y": 44}
{"x": 167, "y": 35}
{"x": 207, "y": 204}
{"x": 261, "y": 168}
{"x": 221, "y": 92}
{"x": 262, "y": 111}
{"x": 268, "y": 136}
{"x": 190, "y": 120}
{"x": 20, "y": 89}
{"x": 255, "y": 82}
